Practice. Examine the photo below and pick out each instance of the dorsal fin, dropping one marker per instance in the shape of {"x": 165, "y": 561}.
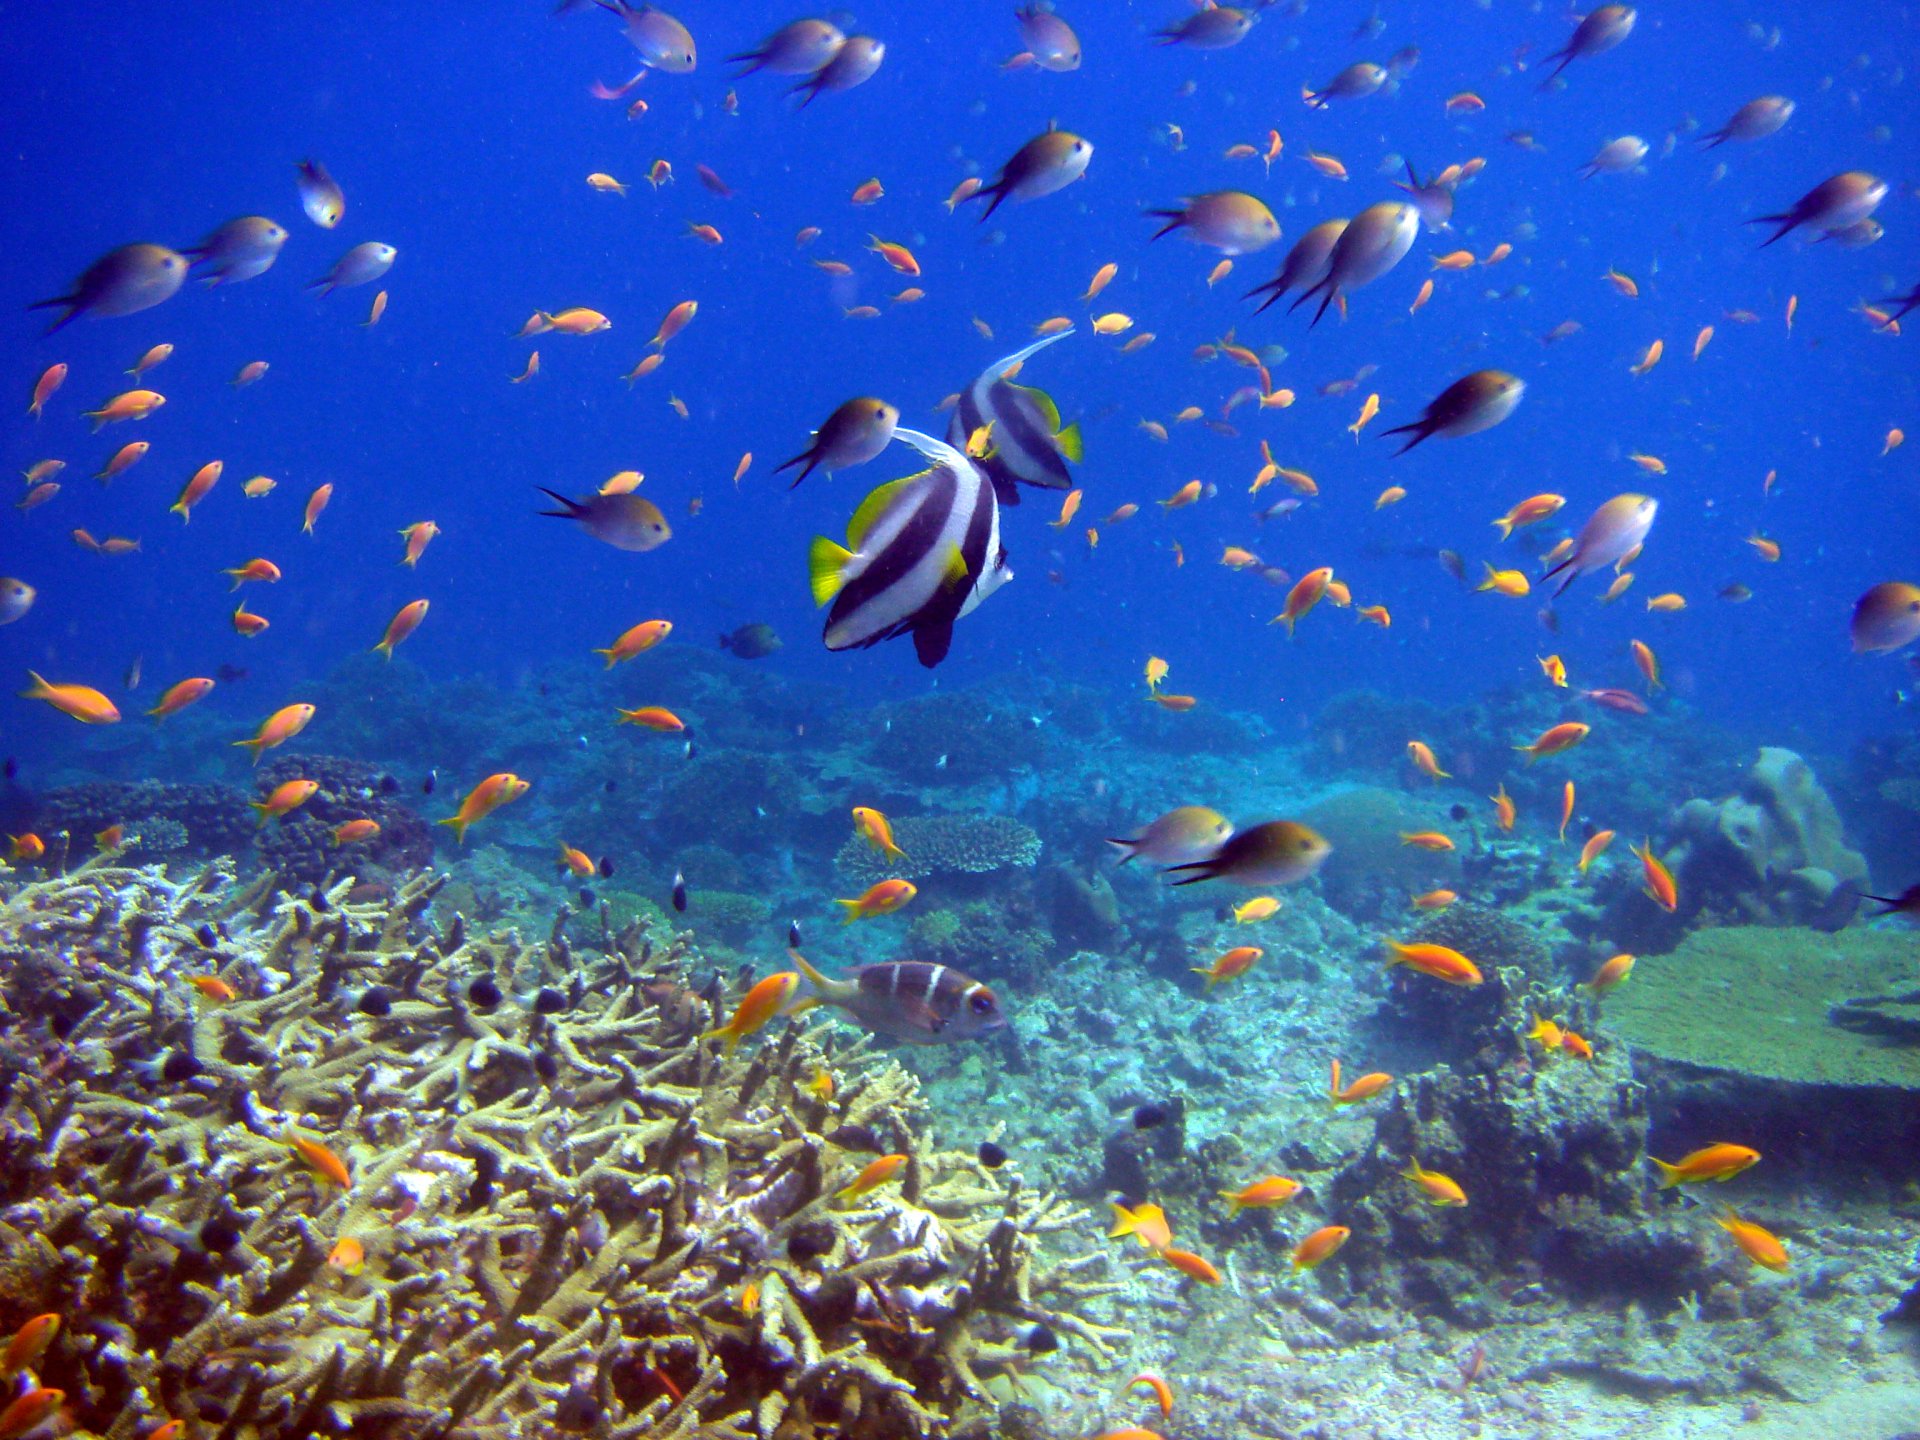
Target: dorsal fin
{"x": 871, "y": 508}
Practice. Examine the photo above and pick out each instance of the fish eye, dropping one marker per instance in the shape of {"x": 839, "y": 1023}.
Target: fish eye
{"x": 982, "y": 1002}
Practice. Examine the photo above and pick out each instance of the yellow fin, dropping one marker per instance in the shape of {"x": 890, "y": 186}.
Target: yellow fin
{"x": 826, "y": 567}
{"x": 1043, "y": 402}
{"x": 861, "y": 525}
{"x": 1070, "y": 442}
{"x": 956, "y": 571}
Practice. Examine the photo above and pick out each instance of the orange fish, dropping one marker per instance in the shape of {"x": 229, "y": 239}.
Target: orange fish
{"x": 27, "y": 847}
{"x": 1183, "y": 497}
{"x": 1236, "y": 961}
{"x": 322, "y": 1161}
{"x": 1707, "y": 1165}
{"x": 249, "y": 373}
{"x": 129, "y": 405}
{"x": 961, "y": 193}
{"x": 1650, "y": 358}
{"x": 1146, "y": 1223}
{"x": 898, "y": 256}
{"x": 1426, "y": 294}
{"x": 1612, "y": 975}
{"x": 1647, "y": 663}
{"x": 1436, "y": 961}
{"x": 1191, "y": 1265}
{"x": 1434, "y": 900}
{"x": 1566, "y": 809}
{"x": 286, "y": 797}
{"x": 51, "y": 379}
{"x": 876, "y": 830}
{"x": 1305, "y": 594}
{"x": 1435, "y": 1188}
{"x": 212, "y": 987}
{"x": 195, "y": 490}
{"x": 1365, "y": 1088}
{"x": 1319, "y": 1246}
{"x": 179, "y": 696}
{"x": 1265, "y": 1194}
{"x": 1668, "y": 604}
{"x": 355, "y": 832}
{"x": 277, "y": 729}
{"x": 348, "y": 1256}
{"x": 648, "y": 364}
{"x": 675, "y": 320}
{"x": 881, "y": 898}
{"x": 1545, "y": 1034}
{"x": 316, "y": 503}
{"x": 1427, "y": 840}
{"x": 1392, "y": 495}
{"x": 871, "y": 1178}
{"x": 1660, "y": 887}
{"x": 30, "y": 1411}
{"x": 1367, "y": 411}
{"x": 1576, "y": 1045}
{"x": 759, "y": 1005}
{"x": 705, "y": 234}
{"x": 109, "y": 840}
{"x": 1595, "y": 847}
{"x": 1454, "y": 260}
{"x": 653, "y": 717}
{"x": 1422, "y": 756}
{"x": 1553, "y": 741}
{"x": 1162, "y": 1392}
{"x": 1511, "y": 583}
{"x": 264, "y": 570}
{"x": 869, "y": 191}
{"x": 1529, "y": 511}
{"x": 29, "y": 1343}
{"x": 124, "y": 459}
{"x": 1504, "y": 812}
{"x": 532, "y": 369}
{"x": 485, "y": 798}
{"x": 84, "y": 704}
{"x": 1177, "y": 703}
{"x": 1767, "y": 550}
{"x": 641, "y": 637}
{"x": 405, "y": 621}
{"x": 1759, "y": 1245}
{"x": 1069, "y": 507}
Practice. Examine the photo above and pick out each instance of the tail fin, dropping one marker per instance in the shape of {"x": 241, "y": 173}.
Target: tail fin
{"x": 569, "y": 509}
{"x": 826, "y": 568}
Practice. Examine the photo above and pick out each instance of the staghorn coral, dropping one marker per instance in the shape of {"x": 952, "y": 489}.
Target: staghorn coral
{"x": 572, "y": 1210}
{"x": 943, "y": 845}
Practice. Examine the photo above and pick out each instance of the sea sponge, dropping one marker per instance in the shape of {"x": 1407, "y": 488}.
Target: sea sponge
{"x": 943, "y": 845}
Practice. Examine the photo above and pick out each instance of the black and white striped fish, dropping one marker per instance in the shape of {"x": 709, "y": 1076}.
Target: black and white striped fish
{"x": 911, "y": 1000}
{"x": 1029, "y": 446}
{"x": 921, "y": 552}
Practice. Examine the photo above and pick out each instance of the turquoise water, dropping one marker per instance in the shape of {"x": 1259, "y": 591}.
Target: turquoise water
{"x": 464, "y": 139}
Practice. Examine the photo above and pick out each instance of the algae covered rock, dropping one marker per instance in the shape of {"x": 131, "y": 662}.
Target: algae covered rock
{"x": 1772, "y": 854}
{"x": 1758, "y": 1000}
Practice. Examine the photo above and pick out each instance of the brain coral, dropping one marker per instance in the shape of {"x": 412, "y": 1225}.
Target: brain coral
{"x": 944, "y": 845}
{"x": 543, "y": 1200}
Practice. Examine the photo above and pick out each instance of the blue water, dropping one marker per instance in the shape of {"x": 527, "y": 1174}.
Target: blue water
{"x": 463, "y": 137}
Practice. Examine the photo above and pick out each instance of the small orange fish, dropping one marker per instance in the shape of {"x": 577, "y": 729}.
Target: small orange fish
{"x": 871, "y": 1178}
{"x": 1555, "y": 740}
{"x": 1759, "y": 1245}
{"x": 1069, "y": 507}
{"x": 1498, "y": 253}
{"x": 109, "y": 840}
{"x": 648, "y": 364}
{"x": 196, "y": 488}
{"x": 1235, "y": 962}
{"x": 83, "y": 703}
{"x": 881, "y": 898}
{"x": 322, "y": 1161}
{"x": 1327, "y": 165}
{"x": 1454, "y": 260}
{"x": 1436, "y": 961}
{"x": 485, "y": 798}
{"x": 316, "y": 503}
{"x": 897, "y": 256}
{"x": 28, "y": 847}
{"x": 1545, "y": 1034}
{"x": 1191, "y": 1265}
{"x": 405, "y": 621}
{"x": 1623, "y": 284}
{"x": 1555, "y": 669}
{"x": 1101, "y": 278}
{"x": 1707, "y": 1165}
{"x": 1566, "y": 809}
{"x": 1177, "y": 703}
{"x": 1767, "y": 550}
{"x": 653, "y": 717}
{"x": 1434, "y": 900}
{"x": 1576, "y": 1045}
{"x": 1660, "y": 887}
{"x": 1319, "y": 1246}
{"x": 705, "y": 234}
{"x": 1702, "y": 340}
{"x": 1267, "y": 1194}
{"x": 179, "y": 696}
{"x": 1612, "y": 975}
{"x": 961, "y": 193}
{"x": 254, "y": 570}
{"x": 1364, "y": 1088}
{"x": 1504, "y": 812}
{"x": 673, "y": 322}
{"x": 1125, "y": 512}
{"x": 124, "y": 459}
{"x": 1426, "y": 294}
{"x": 1305, "y": 594}
{"x": 248, "y": 624}
{"x": 1793, "y": 304}
{"x": 869, "y": 191}
{"x": 1646, "y": 662}
{"x": 128, "y": 405}
{"x": 348, "y": 1256}
{"x": 1667, "y": 604}
{"x": 759, "y": 1005}
{"x": 355, "y": 832}
{"x": 278, "y": 728}
{"x": 1427, "y": 840}
{"x": 1595, "y": 847}
{"x": 51, "y": 379}
{"x": 286, "y": 797}
{"x": 29, "y": 1343}
{"x": 249, "y": 373}
{"x": 1146, "y": 1223}
{"x": 1435, "y": 1188}
{"x": 30, "y": 1411}
{"x": 376, "y": 310}
{"x": 639, "y": 638}
{"x": 1183, "y": 497}
{"x": 1368, "y": 410}
{"x": 1392, "y": 495}
{"x": 1530, "y": 511}
{"x": 1162, "y": 1392}
{"x": 1422, "y": 756}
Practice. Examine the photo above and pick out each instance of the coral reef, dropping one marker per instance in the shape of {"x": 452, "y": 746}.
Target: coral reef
{"x": 943, "y": 845}
{"x": 543, "y": 1199}
{"x": 1370, "y": 871}
{"x": 300, "y": 845}
{"x": 959, "y": 735}
{"x": 1772, "y": 854}
{"x": 161, "y": 819}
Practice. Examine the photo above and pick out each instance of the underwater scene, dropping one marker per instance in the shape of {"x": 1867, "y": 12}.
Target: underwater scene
{"x": 1049, "y": 719}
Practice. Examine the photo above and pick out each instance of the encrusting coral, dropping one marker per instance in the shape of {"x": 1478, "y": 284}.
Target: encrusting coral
{"x": 544, "y": 1201}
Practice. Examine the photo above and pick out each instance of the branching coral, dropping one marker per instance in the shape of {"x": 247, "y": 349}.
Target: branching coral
{"x": 563, "y": 1209}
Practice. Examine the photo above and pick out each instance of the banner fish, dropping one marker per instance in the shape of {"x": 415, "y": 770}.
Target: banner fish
{"x": 1029, "y": 446}
{"x": 911, "y": 1000}
{"x": 921, "y": 552}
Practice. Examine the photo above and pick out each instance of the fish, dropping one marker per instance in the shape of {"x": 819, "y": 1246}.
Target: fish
{"x": 876, "y": 830}
{"x": 1374, "y": 241}
{"x": 1435, "y": 900}
{"x": 1555, "y": 669}
{"x": 857, "y": 431}
{"x": 872, "y": 1177}
{"x": 277, "y": 729}
{"x": 1546, "y": 1034}
{"x": 1660, "y": 887}
{"x": 485, "y": 798}
{"x": 1710, "y": 1164}
{"x": 1427, "y": 840}
{"x": 1276, "y": 852}
{"x": 1611, "y": 975}
{"x": 753, "y": 641}
{"x": 121, "y": 282}
{"x": 124, "y": 459}
{"x": 322, "y": 1161}
{"x": 1437, "y": 961}
{"x": 51, "y": 379}
{"x": 30, "y": 1411}
{"x": 626, "y": 522}
{"x": 1471, "y": 404}
{"x": 1616, "y": 529}
{"x": 1191, "y": 1265}
{"x": 1356, "y": 82}
{"x": 316, "y": 505}
{"x": 1231, "y": 221}
{"x": 1050, "y": 41}
{"x": 1757, "y": 1243}
{"x": 362, "y": 265}
{"x": 1834, "y": 204}
{"x": 241, "y": 249}
{"x": 857, "y": 61}
{"x": 1624, "y": 701}
{"x": 28, "y": 1344}
{"x": 1305, "y": 594}
{"x": 922, "y": 552}
{"x": 355, "y": 832}
{"x": 1046, "y": 164}
{"x": 1422, "y": 756}
{"x": 636, "y": 640}
{"x": 284, "y": 799}
{"x": 1503, "y": 808}
{"x": 128, "y": 405}
{"x": 1885, "y": 618}
{"x": 1250, "y": 912}
{"x": 1598, "y": 32}
{"x": 1234, "y": 962}
{"x": 1182, "y": 835}
{"x": 801, "y": 48}
{"x": 405, "y": 621}
{"x": 1162, "y": 1392}
{"x": 1555, "y": 740}
{"x": 1319, "y": 1246}
{"x": 653, "y": 717}
{"x": 178, "y": 696}
{"x": 81, "y": 702}
{"x": 1435, "y": 1188}
{"x": 1215, "y": 27}
{"x": 1755, "y": 120}
{"x": 1146, "y": 1223}
{"x": 1306, "y": 264}
{"x": 911, "y": 1000}
{"x": 759, "y": 1005}
{"x": 883, "y": 897}
{"x": 1031, "y": 445}
{"x": 1267, "y": 1194}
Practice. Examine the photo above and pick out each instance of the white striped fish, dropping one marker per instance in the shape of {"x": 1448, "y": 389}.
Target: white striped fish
{"x": 911, "y": 1000}
{"x": 1029, "y": 445}
{"x": 921, "y": 552}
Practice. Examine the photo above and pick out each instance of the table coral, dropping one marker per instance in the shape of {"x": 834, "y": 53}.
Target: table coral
{"x": 943, "y": 845}
{"x": 573, "y": 1211}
